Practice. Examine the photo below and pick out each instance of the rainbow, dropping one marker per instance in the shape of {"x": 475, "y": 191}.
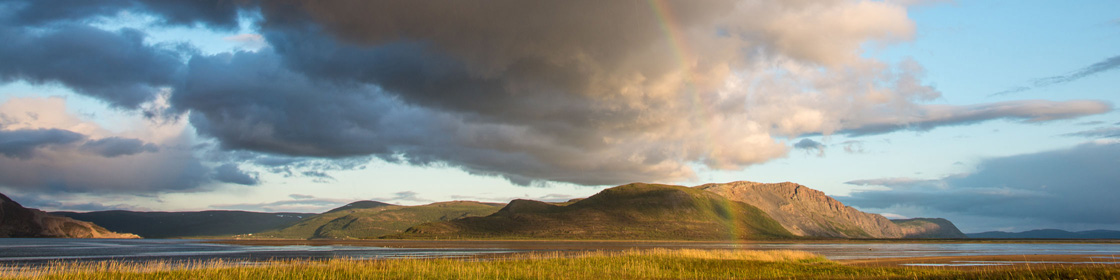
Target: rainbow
{"x": 670, "y": 26}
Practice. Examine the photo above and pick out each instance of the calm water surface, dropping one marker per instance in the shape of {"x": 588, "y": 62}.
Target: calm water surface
{"x": 25, "y": 251}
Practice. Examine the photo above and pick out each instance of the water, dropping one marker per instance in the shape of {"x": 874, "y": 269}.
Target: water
{"x": 31, "y": 251}
{"x": 42, "y": 250}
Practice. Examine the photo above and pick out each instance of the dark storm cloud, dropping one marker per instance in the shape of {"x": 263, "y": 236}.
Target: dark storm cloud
{"x": 116, "y": 67}
{"x": 116, "y": 146}
{"x": 1076, "y": 185}
{"x": 584, "y": 91}
{"x": 1105, "y": 65}
{"x": 22, "y": 144}
{"x": 221, "y": 14}
{"x": 230, "y": 173}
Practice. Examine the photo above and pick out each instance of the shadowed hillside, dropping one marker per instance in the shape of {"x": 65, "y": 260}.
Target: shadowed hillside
{"x": 371, "y": 219}
{"x": 17, "y": 221}
{"x": 187, "y": 224}
{"x": 633, "y": 211}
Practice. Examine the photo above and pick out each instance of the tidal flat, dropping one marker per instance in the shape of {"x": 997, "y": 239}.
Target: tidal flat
{"x": 627, "y": 264}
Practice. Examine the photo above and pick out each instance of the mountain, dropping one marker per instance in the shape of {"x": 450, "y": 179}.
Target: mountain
{"x": 811, "y": 213}
{"x": 371, "y": 219}
{"x": 807, "y": 212}
{"x": 17, "y": 221}
{"x": 1049, "y": 234}
{"x": 929, "y": 228}
{"x": 187, "y": 224}
{"x": 634, "y": 211}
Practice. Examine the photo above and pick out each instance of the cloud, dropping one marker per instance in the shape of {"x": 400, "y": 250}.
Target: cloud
{"x": 319, "y": 176}
{"x": 928, "y": 117}
{"x": 250, "y": 41}
{"x": 1100, "y": 132}
{"x": 219, "y": 14}
{"x": 22, "y": 143}
{"x": 1052, "y": 188}
{"x": 298, "y": 204}
{"x": 398, "y": 197}
{"x": 68, "y": 202}
{"x": 853, "y": 147}
{"x": 1102, "y": 66}
{"x": 230, "y": 173}
{"x": 47, "y": 152}
{"x": 809, "y": 145}
{"x": 587, "y": 92}
{"x": 116, "y": 146}
{"x": 116, "y": 67}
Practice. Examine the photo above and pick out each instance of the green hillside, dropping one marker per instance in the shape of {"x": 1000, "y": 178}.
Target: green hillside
{"x": 633, "y": 211}
{"x": 370, "y": 219}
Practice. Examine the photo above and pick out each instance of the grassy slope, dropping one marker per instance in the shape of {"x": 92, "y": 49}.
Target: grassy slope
{"x": 652, "y": 264}
{"x": 367, "y": 219}
{"x": 633, "y": 211}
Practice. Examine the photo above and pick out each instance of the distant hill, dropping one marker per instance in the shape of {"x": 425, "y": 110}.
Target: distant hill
{"x": 18, "y": 221}
{"x": 928, "y": 228}
{"x": 808, "y": 212}
{"x": 633, "y": 211}
{"x": 371, "y": 219}
{"x": 1049, "y": 234}
{"x": 187, "y": 224}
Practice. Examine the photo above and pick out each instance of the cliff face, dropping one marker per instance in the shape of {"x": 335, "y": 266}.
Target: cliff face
{"x": 929, "y": 228}
{"x": 17, "y": 221}
{"x": 808, "y": 212}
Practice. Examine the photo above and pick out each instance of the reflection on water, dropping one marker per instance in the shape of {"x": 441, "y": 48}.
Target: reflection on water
{"x": 991, "y": 263}
{"x": 27, "y": 250}
{"x": 18, "y": 250}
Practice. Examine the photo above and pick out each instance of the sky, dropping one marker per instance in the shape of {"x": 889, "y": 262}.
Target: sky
{"x": 996, "y": 115}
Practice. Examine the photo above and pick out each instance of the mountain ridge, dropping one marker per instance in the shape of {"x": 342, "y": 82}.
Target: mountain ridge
{"x": 1049, "y": 234}
{"x": 632, "y": 211}
{"x": 19, "y": 221}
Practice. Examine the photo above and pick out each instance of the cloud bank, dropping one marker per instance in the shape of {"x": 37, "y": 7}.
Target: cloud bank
{"x": 587, "y": 92}
{"x": 1052, "y": 188}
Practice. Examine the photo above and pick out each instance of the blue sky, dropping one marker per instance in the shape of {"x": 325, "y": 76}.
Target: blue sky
{"x": 256, "y": 111}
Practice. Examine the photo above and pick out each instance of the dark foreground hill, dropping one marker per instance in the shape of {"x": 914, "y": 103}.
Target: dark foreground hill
{"x": 187, "y": 224}
{"x": 371, "y": 219}
{"x": 17, "y": 221}
{"x": 633, "y": 211}
{"x": 1049, "y": 234}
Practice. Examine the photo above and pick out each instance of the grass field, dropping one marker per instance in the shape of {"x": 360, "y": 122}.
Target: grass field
{"x": 633, "y": 264}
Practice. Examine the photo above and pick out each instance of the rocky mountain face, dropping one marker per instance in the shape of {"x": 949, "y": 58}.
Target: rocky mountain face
{"x": 17, "y": 221}
{"x": 928, "y": 228}
{"x": 808, "y": 212}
